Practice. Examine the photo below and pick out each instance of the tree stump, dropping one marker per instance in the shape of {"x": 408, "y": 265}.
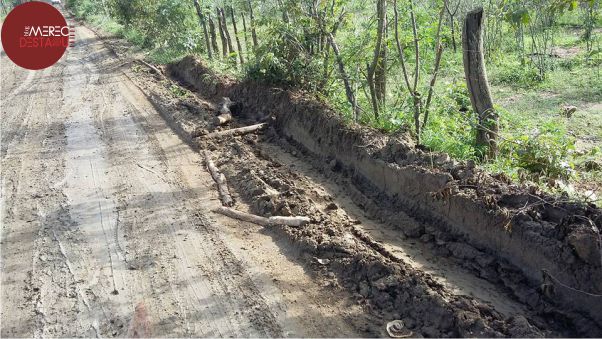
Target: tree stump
{"x": 476, "y": 81}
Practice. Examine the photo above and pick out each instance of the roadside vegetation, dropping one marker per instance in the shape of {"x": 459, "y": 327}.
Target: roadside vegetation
{"x": 397, "y": 66}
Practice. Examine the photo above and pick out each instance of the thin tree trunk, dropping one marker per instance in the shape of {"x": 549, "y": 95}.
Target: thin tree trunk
{"x": 226, "y": 32}
{"x": 222, "y": 34}
{"x": 252, "y": 22}
{"x": 453, "y": 34}
{"x": 377, "y": 69}
{"x": 476, "y": 81}
{"x": 438, "y": 53}
{"x": 213, "y": 35}
{"x": 400, "y": 49}
{"x": 432, "y": 85}
{"x": 452, "y": 15}
{"x": 348, "y": 90}
{"x": 240, "y": 52}
{"x": 245, "y": 32}
{"x": 199, "y": 12}
{"x": 380, "y": 67}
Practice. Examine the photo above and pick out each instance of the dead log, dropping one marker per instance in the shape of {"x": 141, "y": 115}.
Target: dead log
{"x": 476, "y": 81}
{"x": 236, "y": 131}
{"x": 263, "y": 221}
{"x": 220, "y": 180}
{"x": 294, "y": 221}
{"x": 222, "y": 119}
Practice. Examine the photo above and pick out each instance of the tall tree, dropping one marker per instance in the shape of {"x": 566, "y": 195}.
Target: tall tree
{"x": 377, "y": 70}
{"x": 203, "y": 24}
{"x": 240, "y": 53}
{"x": 222, "y": 33}
{"x": 349, "y": 92}
{"x": 226, "y": 31}
{"x": 213, "y": 34}
{"x": 252, "y": 23}
{"x": 245, "y": 32}
{"x": 412, "y": 86}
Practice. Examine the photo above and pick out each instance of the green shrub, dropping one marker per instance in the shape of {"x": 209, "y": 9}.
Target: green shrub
{"x": 546, "y": 151}
{"x": 283, "y": 60}
{"x": 516, "y": 75}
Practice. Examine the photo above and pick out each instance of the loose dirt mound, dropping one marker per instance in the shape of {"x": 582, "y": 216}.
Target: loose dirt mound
{"x": 545, "y": 249}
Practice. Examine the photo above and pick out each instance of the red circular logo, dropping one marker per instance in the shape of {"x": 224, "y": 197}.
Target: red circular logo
{"x": 35, "y": 35}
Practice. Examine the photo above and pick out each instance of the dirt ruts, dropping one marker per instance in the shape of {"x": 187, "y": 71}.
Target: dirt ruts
{"x": 358, "y": 161}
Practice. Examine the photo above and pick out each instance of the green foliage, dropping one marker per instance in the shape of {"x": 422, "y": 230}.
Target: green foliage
{"x": 283, "y": 60}
{"x": 546, "y": 151}
{"x": 516, "y": 75}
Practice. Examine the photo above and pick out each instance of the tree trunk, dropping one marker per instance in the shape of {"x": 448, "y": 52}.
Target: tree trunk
{"x": 252, "y": 22}
{"x": 432, "y": 84}
{"x": 199, "y": 12}
{"x": 344, "y": 76}
{"x": 476, "y": 81}
{"x": 245, "y": 32}
{"x": 222, "y": 34}
{"x": 213, "y": 36}
{"x": 453, "y": 34}
{"x": 226, "y": 32}
{"x": 377, "y": 70}
{"x": 240, "y": 56}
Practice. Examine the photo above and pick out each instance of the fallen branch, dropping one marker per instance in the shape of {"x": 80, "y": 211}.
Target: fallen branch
{"x": 222, "y": 119}
{"x": 220, "y": 180}
{"x": 155, "y": 69}
{"x": 236, "y": 131}
{"x": 263, "y": 221}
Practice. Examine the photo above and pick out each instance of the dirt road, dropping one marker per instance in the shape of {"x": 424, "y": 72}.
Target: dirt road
{"x": 105, "y": 222}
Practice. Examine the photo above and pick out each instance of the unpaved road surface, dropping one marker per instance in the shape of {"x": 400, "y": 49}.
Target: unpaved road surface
{"x": 106, "y": 229}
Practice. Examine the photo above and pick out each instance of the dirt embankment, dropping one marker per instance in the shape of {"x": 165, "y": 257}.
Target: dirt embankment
{"x": 543, "y": 249}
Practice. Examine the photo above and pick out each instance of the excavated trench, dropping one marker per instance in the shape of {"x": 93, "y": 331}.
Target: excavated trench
{"x": 447, "y": 248}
